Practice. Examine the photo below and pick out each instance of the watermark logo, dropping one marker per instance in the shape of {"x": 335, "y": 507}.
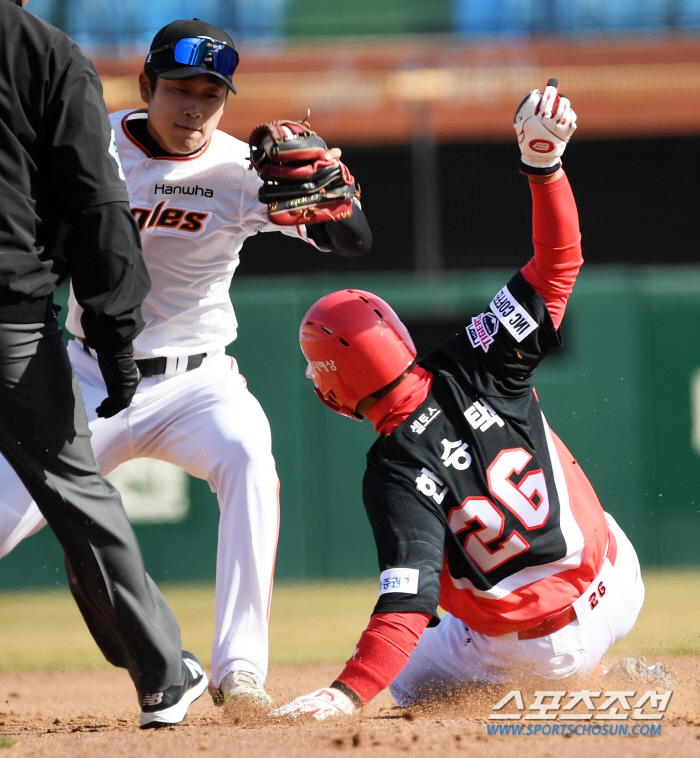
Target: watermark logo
{"x": 581, "y": 706}
{"x": 636, "y": 729}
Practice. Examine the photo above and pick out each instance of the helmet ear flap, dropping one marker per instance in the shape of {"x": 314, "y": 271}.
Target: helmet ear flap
{"x": 331, "y": 402}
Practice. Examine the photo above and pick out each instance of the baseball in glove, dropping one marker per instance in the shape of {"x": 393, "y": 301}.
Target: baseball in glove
{"x": 301, "y": 183}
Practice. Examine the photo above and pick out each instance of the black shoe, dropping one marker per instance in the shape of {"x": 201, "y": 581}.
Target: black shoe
{"x": 170, "y": 707}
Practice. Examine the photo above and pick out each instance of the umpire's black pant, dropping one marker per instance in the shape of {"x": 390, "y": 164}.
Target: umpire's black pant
{"x": 45, "y": 437}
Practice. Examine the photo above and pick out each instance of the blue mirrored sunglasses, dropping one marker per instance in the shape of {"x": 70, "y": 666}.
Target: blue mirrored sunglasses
{"x": 197, "y": 51}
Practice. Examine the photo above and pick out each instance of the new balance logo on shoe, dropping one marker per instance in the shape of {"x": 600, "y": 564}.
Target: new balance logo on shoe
{"x": 170, "y": 706}
{"x": 194, "y": 666}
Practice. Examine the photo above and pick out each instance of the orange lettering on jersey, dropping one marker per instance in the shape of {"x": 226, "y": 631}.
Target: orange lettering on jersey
{"x": 141, "y": 215}
{"x": 170, "y": 217}
{"x": 156, "y": 213}
{"x": 193, "y": 221}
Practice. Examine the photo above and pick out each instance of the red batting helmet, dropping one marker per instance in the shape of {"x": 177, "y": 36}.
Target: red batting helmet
{"x": 355, "y": 345}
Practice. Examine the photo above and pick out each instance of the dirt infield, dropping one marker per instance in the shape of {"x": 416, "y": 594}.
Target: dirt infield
{"x": 72, "y": 714}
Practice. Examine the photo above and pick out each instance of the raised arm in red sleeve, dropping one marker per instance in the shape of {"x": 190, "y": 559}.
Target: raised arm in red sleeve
{"x": 383, "y": 650}
{"x": 557, "y": 241}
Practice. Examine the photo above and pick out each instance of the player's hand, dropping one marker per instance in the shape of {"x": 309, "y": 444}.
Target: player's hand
{"x": 322, "y": 704}
{"x": 122, "y": 376}
{"x": 544, "y": 123}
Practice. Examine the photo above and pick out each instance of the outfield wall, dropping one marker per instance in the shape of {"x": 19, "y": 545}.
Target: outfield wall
{"x": 623, "y": 393}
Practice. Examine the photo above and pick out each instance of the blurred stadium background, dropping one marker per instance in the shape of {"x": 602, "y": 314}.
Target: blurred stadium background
{"x": 420, "y": 95}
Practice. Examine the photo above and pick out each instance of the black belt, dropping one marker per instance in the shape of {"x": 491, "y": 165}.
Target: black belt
{"x": 157, "y": 366}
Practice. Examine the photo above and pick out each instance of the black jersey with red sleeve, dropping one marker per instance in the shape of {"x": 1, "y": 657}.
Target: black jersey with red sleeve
{"x": 474, "y": 502}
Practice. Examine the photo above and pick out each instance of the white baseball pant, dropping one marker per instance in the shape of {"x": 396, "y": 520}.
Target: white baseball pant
{"x": 451, "y": 654}
{"x": 206, "y": 422}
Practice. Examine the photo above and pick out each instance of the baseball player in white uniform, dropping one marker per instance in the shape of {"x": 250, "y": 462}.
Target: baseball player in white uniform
{"x": 195, "y": 202}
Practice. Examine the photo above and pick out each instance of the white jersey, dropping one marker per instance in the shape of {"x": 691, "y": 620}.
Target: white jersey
{"x": 194, "y": 213}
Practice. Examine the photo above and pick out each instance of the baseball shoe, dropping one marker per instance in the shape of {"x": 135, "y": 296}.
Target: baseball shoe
{"x": 659, "y": 674}
{"x": 170, "y": 706}
{"x": 241, "y": 687}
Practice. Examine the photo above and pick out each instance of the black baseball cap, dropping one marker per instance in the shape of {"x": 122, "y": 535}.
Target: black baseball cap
{"x": 188, "y": 47}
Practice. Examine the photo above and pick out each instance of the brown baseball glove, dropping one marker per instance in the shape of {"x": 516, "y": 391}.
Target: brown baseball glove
{"x": 302, "y": 184}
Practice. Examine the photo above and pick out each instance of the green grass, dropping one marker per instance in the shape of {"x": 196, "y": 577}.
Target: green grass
{"x": 310, "y": 622}
{"x": 669, "y": 623}
{"x": 319, "y": 622}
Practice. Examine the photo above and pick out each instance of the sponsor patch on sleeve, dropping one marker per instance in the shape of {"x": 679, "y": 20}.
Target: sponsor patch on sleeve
{"x": 421, "y": 420}
{"x": 512, "y": 315}
{"x": 399, "y": 580}
{"x": 482, "y": 329}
